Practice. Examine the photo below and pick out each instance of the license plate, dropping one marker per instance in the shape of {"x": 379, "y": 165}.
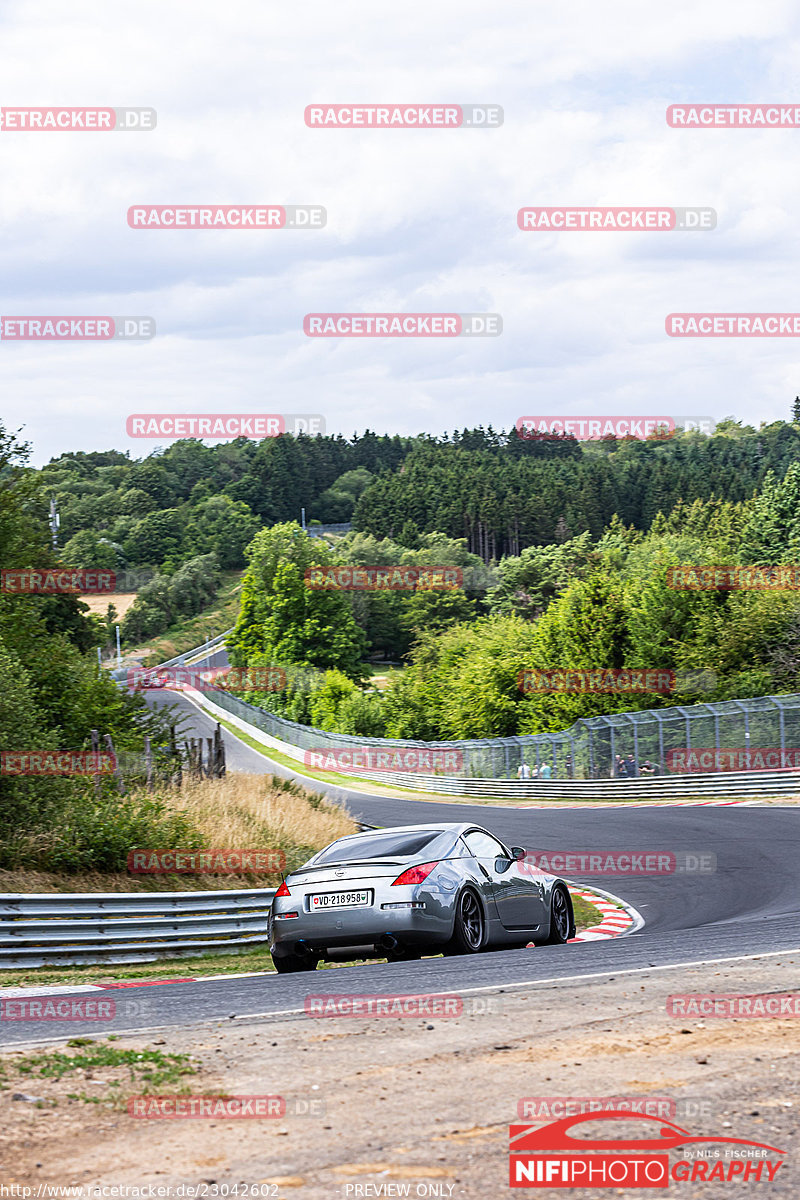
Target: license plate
{"x": 325, "y": 900}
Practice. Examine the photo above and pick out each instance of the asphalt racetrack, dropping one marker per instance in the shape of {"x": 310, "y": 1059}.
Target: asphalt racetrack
{"x": 748, "y": 905}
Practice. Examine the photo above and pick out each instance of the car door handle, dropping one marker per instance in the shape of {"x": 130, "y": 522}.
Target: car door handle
{"x": 483, "y": 868}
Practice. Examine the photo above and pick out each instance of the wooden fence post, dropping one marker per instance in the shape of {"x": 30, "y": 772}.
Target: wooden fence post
{"x": 148, "y": 763}
{"x": 177, "y": 777}
{"x": 117, "y": 771}
{"x": 219, "y": 753}
{"x": 95, "y": 752}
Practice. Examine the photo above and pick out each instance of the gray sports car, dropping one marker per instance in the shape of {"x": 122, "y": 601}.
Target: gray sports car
{"x": 399, "y": 893}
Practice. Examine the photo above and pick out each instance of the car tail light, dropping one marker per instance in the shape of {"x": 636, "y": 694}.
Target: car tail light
{"x": 415, "y": 874}
{"x": 282, "y": 890}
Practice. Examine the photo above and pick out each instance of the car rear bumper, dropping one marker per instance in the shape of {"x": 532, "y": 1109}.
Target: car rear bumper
{"x": 431, "y": 925}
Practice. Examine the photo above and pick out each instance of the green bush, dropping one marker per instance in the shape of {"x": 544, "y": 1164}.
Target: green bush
{"x": 96, "y": 834}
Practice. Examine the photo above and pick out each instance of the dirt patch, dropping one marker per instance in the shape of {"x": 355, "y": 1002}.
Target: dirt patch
{"x": 122, "y": 601}
{"x": 427, "y": 1102}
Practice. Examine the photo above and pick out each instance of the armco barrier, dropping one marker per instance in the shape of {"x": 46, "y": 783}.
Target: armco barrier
{"x": 51, "y": 930}
{"x": 121, "y": 673}
{"x": 669, "y": 787}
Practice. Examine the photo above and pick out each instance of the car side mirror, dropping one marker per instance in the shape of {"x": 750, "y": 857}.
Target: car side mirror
{"x": 501, "y": 865}
{"x": 518, "y": 852}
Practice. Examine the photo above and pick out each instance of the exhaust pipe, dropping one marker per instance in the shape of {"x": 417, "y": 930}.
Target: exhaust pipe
{"x": 388, "y": 942}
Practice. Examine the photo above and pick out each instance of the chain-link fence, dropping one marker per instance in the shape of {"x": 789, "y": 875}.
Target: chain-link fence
{"x": 730, "y": 735}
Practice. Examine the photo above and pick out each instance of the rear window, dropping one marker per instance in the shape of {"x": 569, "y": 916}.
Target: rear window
{"x": 382, "y": 845}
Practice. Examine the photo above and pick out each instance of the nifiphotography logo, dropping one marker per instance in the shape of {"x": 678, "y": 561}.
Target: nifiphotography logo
{"x": 558, "y": 1156}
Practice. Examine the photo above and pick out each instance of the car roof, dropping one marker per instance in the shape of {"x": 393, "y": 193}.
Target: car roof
{"x": 444, "y": 826}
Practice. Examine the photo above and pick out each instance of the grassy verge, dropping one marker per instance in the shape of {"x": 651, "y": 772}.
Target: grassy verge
{"x": 257, "y": 959}
{"x": 586, "y": 915}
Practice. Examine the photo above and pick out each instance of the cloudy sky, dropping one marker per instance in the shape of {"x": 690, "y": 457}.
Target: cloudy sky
{"x": 418, "y": 220}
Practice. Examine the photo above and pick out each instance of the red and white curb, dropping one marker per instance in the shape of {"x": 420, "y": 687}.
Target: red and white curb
{"x": 618, "y": 916}
{"x": 74, "y": 989}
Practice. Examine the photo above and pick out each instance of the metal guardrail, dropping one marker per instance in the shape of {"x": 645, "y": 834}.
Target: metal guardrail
{"x": 740, "y": 783}
{"x": 38, "y": 930}
{"x": 320, "y": 530}
{"x": 120, "y": 673}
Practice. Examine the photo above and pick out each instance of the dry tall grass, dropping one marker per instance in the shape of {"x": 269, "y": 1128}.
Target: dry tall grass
{"x": 238, "y": 812}
{"x": 260, "y": 812}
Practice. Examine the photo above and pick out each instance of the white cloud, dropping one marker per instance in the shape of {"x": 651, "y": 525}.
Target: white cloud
{"x": 417, "y": 220}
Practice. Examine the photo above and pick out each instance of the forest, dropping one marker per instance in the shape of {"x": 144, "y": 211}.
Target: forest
{"x": 564, "y": 550}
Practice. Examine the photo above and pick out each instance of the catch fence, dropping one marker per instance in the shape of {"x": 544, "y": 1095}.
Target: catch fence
{"x": 723, "y": 736}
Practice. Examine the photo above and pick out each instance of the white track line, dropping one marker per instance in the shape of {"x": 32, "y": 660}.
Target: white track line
{"x": 494, "y": 987}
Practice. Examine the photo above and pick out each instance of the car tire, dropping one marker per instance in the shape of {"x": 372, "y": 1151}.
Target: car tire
{"x": 288, "y": 963}
{"x": 469, "y": 927}
{"x": 560, "y": 917}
